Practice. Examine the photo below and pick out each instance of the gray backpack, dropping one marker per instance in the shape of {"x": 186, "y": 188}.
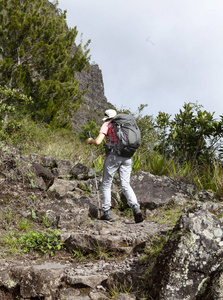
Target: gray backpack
{"x": 128, "y": 135}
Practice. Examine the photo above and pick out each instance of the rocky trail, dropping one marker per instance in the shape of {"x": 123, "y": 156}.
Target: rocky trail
{"x": 101, "y": 259}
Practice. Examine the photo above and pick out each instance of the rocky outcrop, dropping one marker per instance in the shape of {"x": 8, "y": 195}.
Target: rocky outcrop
{"x": 154, "y": 191}
{"x": 95, "y": 102}
{"x": 192, "y": 253}
{"x": 102, "y": 256}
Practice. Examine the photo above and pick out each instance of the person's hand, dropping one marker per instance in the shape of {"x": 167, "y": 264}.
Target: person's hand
{"x": 90, "y": 140}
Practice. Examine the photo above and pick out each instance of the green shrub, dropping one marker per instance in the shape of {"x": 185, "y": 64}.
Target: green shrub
{"x": 157, "y": 164}
{"x": 85, "y": 129}
{"x": 45, "y": 242}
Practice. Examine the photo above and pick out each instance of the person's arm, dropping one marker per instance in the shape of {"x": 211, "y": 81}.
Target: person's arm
{"x": 97, "y": 141}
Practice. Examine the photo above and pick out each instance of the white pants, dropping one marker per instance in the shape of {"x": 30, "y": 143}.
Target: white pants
{"x": 123, "y": 165}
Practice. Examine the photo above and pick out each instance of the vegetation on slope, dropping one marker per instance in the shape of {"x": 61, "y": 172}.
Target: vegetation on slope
{"x": 38, "y": 56}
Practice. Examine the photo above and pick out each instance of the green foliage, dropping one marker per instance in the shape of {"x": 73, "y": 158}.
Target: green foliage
{"x": 45, "y": 221}
{"x": 184, "y": 171}
{"x": 136, "y": 163}
{"x": 39, "y": 138}
{"x": 38, "y": 58}
{"x": 85, "y": 188}
{"x": 78, "y": 255}
{"x": 24, "y": 225}
{"x": 193, "y": 134}
{"x": 85, "y": 129}
{"x": 168, "y": 214}
{"x": 211, "y": 178}
{"x": 12, "y": 102}
{"x": 98, "y": 253}
{"x": 158, "y": 164}
{"x": 99, "y": 164}
{"x": 162, "y": 121}
{"x": 45, "y": 242}
{"x": 148, "y": 133}
{"x": 11, "y": 241}
{"x": 115, "y": 292}
{"x": 156, "y": 246}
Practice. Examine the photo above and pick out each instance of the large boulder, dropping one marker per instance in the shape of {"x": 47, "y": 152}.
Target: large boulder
{"x": 41, "y": 280}
{"x": 155, "y": 191}
{"x": 193, "y": 252}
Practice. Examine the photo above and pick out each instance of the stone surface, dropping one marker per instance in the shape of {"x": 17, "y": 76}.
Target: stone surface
{"x": 193, "y": 252}
{"x": 154, "y": 191}
{"x": 188, "y": 267}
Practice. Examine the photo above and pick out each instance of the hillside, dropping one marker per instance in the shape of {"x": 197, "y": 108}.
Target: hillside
{"x": 54, "y": 247}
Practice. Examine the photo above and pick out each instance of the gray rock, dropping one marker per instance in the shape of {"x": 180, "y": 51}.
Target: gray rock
{"x": 62, "y": 187}
{"x": 125, "y": 297}
{"x": 81, "y": 172}
{"x": 45, "y": 174}
{"x": 89, "y": 281}
{"x": 193, "y": 252}
{"x": 155, "y": 191}
{"x": 40, "y": 280}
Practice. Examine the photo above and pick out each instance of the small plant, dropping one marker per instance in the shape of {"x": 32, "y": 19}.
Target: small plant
{"x": 8, "y": 216}
{"x": 99, "y": 164}
{"x": 9, "y": 239}
{"x": 24, "y": 225}
{"x": 33, "y": 198}
{"x": 116, "y": 291}
{"x": 136, "y": 163}
{"x": 45, "y": 242}
{"x": 34, "y": 217}
{"x": 32, "y": 184}
{"x": 158, "y": 165}
{"x": 7, "y": 219}
{"x": 46, "y": 222}
{"x": 100, "y": 253}
{"x": 83, "y": 187}
{"x": 30, "y": 175}
{"x": 156, "y": 246}
{"x": 127, "y": 212}
{"x": 11, "y": 242}
{"x": 180, "y": 171}
{"x": 78, "y": 255}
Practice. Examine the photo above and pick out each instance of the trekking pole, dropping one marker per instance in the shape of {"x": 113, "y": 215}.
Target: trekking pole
{"x": 96, "y": 184}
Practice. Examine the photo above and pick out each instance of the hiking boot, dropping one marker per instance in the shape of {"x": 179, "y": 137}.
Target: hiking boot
{"x": 107, "y": 216}
{"x": 137, "y": 214}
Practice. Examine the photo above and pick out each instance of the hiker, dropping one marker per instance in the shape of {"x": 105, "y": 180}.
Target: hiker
{"x": 114, "y": 163}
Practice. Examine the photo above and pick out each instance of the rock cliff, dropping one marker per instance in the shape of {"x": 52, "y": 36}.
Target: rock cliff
{"x": 95, "y": 102}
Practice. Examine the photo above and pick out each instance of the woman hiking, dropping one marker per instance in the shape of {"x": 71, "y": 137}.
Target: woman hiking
{"x": 113, "y": 163}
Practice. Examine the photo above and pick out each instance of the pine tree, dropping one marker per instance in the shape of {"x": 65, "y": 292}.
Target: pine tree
{"x": 37, "y": 56}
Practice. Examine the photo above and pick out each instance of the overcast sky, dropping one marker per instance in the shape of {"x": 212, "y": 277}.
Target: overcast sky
{"x": 162, "y": 53}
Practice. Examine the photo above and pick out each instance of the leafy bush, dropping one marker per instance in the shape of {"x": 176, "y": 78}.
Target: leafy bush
{"x": 48, "y": 241}
{"x": 37, "y": 59}
{"x": 12, "y": 101}
{"x": 193, "y": 135}
{"x": 85, "y": 129}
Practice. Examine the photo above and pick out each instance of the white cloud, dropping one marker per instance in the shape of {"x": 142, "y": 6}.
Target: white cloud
{"x": 161, "y": 53}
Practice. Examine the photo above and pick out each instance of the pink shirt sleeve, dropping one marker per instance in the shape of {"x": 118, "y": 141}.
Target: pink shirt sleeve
{"x": 104, "y": 128}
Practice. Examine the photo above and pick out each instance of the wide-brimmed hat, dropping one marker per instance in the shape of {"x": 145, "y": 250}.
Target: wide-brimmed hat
{"x": 109, "y": 113}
